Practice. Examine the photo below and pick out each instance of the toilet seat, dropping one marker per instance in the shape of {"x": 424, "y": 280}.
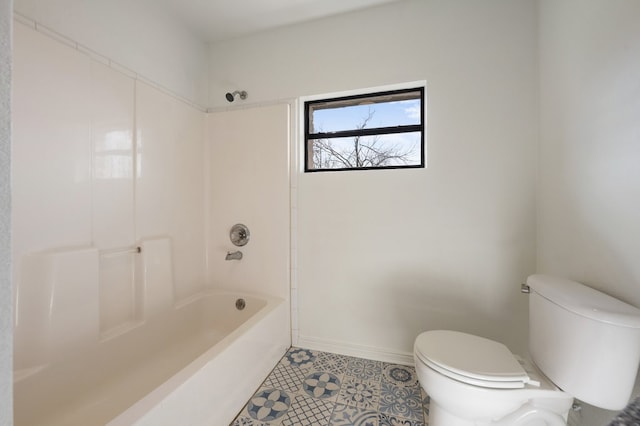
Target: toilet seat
{"x": 470, "y": 359}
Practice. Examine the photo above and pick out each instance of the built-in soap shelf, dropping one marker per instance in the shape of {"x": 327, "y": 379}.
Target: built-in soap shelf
{"x": 121, "y": 292}
{"x": 83, "y": 295}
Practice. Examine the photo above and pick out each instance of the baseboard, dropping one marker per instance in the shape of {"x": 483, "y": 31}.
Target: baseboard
{"x": 350, "y": 349}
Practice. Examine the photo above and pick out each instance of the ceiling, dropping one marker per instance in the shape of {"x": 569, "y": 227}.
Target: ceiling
{"x": 218, "y": 20}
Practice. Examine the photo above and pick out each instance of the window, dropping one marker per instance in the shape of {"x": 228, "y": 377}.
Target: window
{"x": 372, "y": 131}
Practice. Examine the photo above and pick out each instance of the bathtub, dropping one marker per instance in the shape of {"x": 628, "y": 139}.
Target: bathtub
{"x": 197, "y": 364}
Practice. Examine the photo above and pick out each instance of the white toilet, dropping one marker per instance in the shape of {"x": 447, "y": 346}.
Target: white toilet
{"x": 583, "y": 344}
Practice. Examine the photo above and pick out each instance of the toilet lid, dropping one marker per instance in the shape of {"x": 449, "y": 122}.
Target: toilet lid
{"x": 470, "y": 359}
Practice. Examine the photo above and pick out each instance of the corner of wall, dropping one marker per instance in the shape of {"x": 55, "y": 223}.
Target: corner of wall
{"x": 538, "y": 136}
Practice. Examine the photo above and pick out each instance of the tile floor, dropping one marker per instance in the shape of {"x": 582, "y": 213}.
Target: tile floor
{"x": 320, "y": 388}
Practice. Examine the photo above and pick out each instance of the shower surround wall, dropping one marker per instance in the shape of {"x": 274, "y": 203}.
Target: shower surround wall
{"x": 86, "y": 189}
{"x": 105, "y": 163}
{"x": 248, "y": 183}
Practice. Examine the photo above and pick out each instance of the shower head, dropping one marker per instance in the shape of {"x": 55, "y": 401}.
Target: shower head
{"x": 232, "y": 96}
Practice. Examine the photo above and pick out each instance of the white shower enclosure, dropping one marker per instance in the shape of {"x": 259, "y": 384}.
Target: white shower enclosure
{"x": 106, "y": 165}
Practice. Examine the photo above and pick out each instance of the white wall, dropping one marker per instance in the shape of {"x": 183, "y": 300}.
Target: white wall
{"x": 248, "y": 183}
{"x": 138, "y": 35}
{"x": 6, "y": 323}
{"x": 383, "y": 255}
{"x": 589, "y": 179}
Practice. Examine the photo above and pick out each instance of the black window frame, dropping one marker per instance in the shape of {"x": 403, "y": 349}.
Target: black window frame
{"x": 309, "y": 137}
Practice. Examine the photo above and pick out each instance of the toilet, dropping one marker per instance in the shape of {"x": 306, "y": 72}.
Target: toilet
{"x": 582, "y": 344}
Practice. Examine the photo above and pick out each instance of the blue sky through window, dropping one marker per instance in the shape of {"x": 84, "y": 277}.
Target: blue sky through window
{"x": 386, "y": 114}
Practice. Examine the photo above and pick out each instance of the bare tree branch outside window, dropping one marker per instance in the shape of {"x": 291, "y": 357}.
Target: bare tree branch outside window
{"x": 363, "y": 152}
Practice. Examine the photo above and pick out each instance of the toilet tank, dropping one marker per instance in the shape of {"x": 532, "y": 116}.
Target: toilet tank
{"x": 584, "y": 341}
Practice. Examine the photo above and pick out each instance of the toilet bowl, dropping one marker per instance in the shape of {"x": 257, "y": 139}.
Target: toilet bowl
{"x": 582, "y": 343}
{"x": 475, "y": 381}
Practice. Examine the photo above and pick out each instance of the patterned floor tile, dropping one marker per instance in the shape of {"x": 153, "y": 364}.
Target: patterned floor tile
{"x": 387, "y": 420}
{"x": 268, "y": 405}
{"x": 334, "y": 363}
{"x": 343, "y": 415}
{"x": 313, "y": 388}
{"x": 243, "y": 420}
{"x": 401, "y": 401}
{"x": 359, "y": 393}
{"x": 307, "y": 411}
{"x": 400, "y": 375}
{"x": 298, "y": 357}
{"x": 364, "y": 369}
{"x": 285, "y": 377}
{"x": 321, "y": 385}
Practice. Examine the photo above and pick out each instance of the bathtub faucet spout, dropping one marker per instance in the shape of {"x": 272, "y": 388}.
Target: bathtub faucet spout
{"x": 235, "y": 255}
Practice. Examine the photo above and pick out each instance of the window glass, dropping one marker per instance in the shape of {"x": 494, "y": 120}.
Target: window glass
{"x": 380, "y": 130}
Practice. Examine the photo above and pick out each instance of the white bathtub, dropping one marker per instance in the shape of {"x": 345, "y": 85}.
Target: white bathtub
{"x": 195, "y": 365}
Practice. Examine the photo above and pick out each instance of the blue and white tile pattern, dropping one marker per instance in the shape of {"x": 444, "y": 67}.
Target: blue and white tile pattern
{"x": 319, "y": 388}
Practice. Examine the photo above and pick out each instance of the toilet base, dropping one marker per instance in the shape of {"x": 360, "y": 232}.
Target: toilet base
{"x": 525, "y": 416}
{"x": 438, "y": 416}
